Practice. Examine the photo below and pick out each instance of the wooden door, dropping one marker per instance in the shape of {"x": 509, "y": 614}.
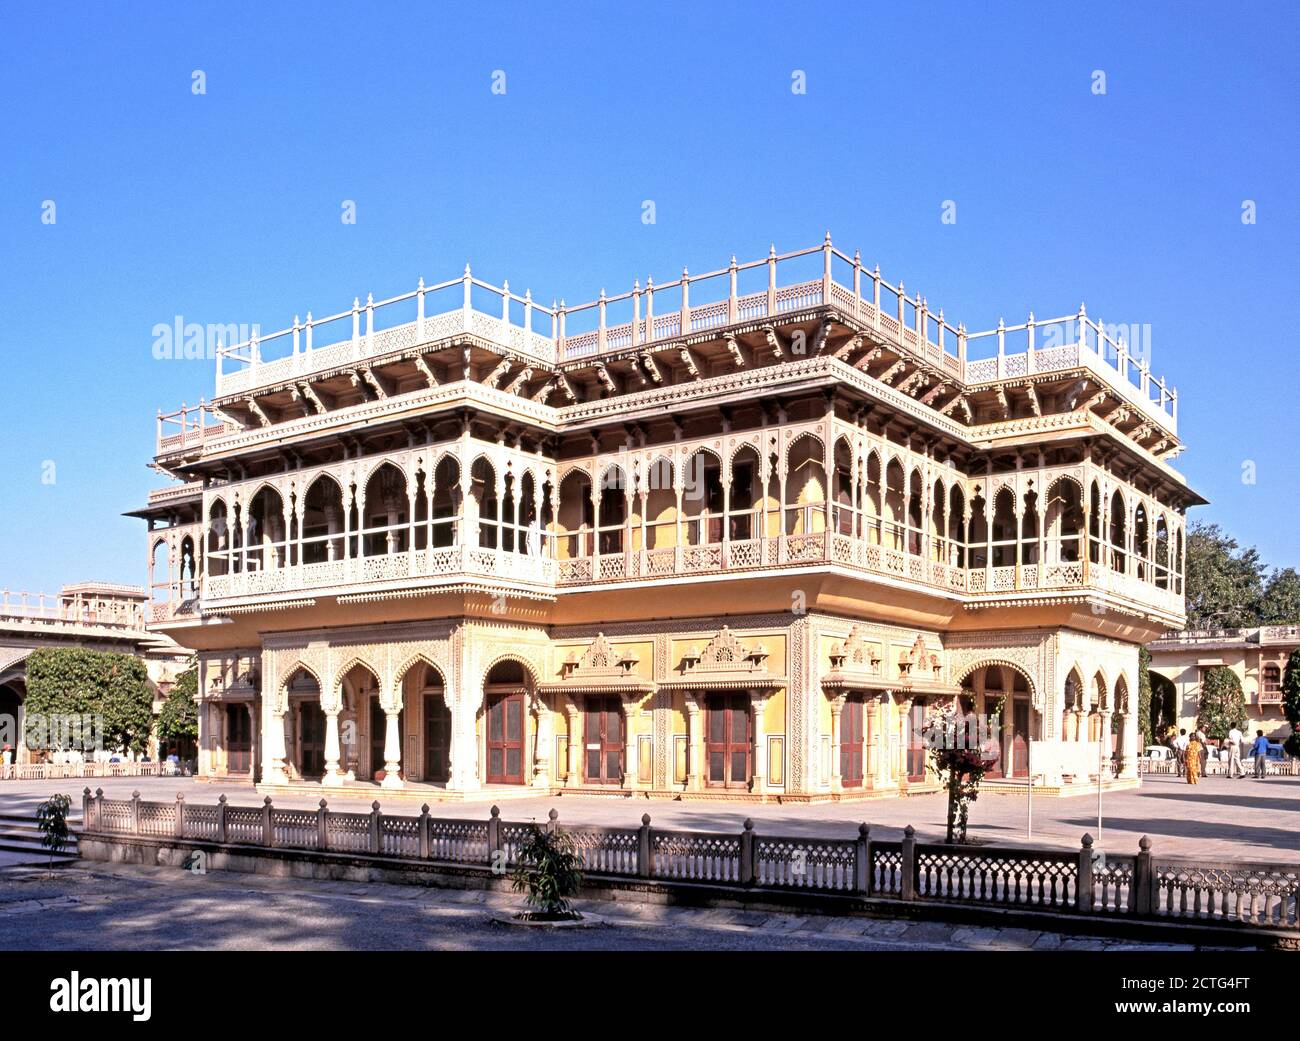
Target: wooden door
{"x": 239, "y": 739}
{"x": 311, "y": 739}
{"x": 505, "y": 738}
{"x": 378, "y": 734}
{"x": 1020, "y": 739}
{"x": 728, "y": 752}
{"x": 851, "y": 743}
{"x": 437, "y": 739}
{"x": 916, "y": 751}
{"x": 603, "y": 740}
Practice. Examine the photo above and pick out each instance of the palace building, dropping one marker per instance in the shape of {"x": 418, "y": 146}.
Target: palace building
{"x": 729, "y": 535}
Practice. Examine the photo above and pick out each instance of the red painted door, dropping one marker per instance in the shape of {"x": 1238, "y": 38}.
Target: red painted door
{"x": 728, "y": 741}
{"x": 851, "y": 743}
{"x": 505, "y": 738}
{"x": 604, "y": 741}
{"x": 239, "y": 739}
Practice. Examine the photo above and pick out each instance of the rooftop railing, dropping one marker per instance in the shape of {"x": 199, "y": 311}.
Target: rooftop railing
{"x": 59, "y": 609}
{"x": 775, "y": 285}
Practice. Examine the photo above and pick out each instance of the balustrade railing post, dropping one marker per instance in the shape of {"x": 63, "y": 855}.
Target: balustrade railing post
{"x": 85, "y": 808}
{"x": 419, "y": 311}
{"x": 875, "y": 296}
{"x": 857, "y": 284}
{"x": 135, "y": 813}
{"x": 268, "y": 824}
{"x": 862, "y": 860}
{"x": 322, "y": 826}
{"x": 424, "y": 832}
{"x": 494, "y": 834}
{"x": 907, "y": 883}
{"x": 99, "y": 806}
{"x": 1142, "y": 891}
{"x": 370, "y": 323}
{"x": 375, "y": 825}
{"x": 465, "y": 297}
{"x": 733, "y": 301}
{"x": 600, "y": 328}
{"x": 771, "y": 280}
{"x": 553, "y": 822}
{"x": 685, "y": 320}
{"x": 644, "y": 867}
{"x": 179, "y": 827}
{"x": 1084, "y": 894}
{"x": 221, "y": 818}
{"x": 637, "y": 338}
{"x": 826, "y": 269}
{"x": 747, "y": 846}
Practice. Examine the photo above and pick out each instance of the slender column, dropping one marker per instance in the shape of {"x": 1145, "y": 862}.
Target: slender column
{"x": 630, "y": 771}
{"x": 333, "y": 775}
{"x": 575, "y": 745}
{"x": 759, "y": 702}
{"x": 695, "y": 745}
{"x": 837, "y": 780}
{"x": 544, "y": 736}
{"x": 392, "y": 750}
{"x": 275, "y": 764}
{"x": 871, "y": 765}
{"x": 904, "y": 726}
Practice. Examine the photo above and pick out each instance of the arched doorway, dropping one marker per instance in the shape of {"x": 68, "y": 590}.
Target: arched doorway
{"x": 11, "y": 719}
{"x": 308, "y": 721}
{"x": 437, "y": 727}
{"x": 1002, "y": 698}
{"x": 505, "y": 723}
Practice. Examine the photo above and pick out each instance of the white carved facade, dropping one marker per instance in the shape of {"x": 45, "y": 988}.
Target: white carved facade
{"x": 737, "y": 549}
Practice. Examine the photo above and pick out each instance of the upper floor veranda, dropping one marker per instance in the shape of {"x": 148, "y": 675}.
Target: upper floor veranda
{"x": 757, "y": 326}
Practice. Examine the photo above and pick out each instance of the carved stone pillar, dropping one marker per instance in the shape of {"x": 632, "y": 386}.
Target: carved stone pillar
{"x": 333, "y": 777}
{"x": 276, "y": 767}
{"x": 392, "y": 750}
{"x": 695, "y": 744}
{"x": 759, "y": 702}
{"x": 904, "y": 740}
{"x": 575, "y": 745}
{"x": 545, "y": 738}
{"x": 871, "y": 766}
{"x": 630, "y": 770}
{"x": 837, "y": 780}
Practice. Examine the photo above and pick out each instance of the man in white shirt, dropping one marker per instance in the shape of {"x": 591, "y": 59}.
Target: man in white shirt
{"x": 1235, "y": 738}
{"x": 1180, "y": 750}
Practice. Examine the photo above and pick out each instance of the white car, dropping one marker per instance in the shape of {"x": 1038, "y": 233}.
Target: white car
{"x": 1157, "y": 753}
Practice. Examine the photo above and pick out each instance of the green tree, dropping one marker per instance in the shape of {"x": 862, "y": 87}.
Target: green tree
{"x": 179, "y": 718}
{"x": 1291, "y": 701}
{"x": 1223, "y": 705}
{"x": 1145, "y": 722}
{"x": 1280, "y": 603}
{"x": 1225, "y": 583}
{"x": 66, "y": 681}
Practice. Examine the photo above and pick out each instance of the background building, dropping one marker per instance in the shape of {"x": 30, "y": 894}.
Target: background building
{"x": 98, "y": 616}
{"x": 1258, "y": 656}
{"x": 728, "y": 535}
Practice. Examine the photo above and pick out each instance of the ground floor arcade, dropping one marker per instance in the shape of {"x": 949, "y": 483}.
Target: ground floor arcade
{"x": 795, "y": 707}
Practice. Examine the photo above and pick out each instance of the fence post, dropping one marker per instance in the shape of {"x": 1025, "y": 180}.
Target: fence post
{"x": 322, "y": 826}
{"x": 85, "y": 808}
{"x": 644, "y": 868}
{"x": 1083, "y": 893}
{"x": 135, "y": 812}
{"x": 1142, "y": 894}
{"x": 862, "y": 860}
{"x": 747, "y": 854}
{"x": 552, "y": 822}
{"x": 179, "y": 831}
{"x": 494, "y": 833}
{"x": 268, "y": 827}
{"x": 221, "y": 818}
{"x": 907, "y": 882}
{"x": 99, "y": 808}
{"x": 424, "y": 832}
{"x": 374, "y": 822}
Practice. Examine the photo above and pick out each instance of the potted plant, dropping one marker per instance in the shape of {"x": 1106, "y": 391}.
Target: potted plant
{"x": 548, "y": 874}
{"x": 960, "y": 763}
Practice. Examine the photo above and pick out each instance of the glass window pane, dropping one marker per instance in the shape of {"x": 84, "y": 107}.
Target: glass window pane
{"x": 738, "y": 770}
{"x": 514, "y": 763}
{"x": 716, "y": 767}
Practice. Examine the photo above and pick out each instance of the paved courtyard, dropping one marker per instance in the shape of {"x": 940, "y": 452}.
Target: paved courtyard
{"x": 1220, "y": 819}
{"x": 113, "y": 907}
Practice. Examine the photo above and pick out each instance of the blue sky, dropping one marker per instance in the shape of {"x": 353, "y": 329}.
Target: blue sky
{"x": 226, "y": 207}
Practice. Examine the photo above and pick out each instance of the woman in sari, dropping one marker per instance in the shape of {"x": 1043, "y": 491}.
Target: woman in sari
{"x": 1194, "y": 759}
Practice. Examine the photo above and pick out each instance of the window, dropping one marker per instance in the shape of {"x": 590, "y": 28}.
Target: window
{"x": 1270, "y": 680}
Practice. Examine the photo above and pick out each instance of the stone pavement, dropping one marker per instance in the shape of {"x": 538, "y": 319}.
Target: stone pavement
{"x": 1219, "y": 819}
{"x": 115, "y": 907}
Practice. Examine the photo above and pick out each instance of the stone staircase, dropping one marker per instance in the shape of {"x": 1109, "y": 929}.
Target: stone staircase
{"x": 20, "y": 842}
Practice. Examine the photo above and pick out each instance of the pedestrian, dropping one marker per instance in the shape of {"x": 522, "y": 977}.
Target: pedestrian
{"x": 1193, "y": 758}
{"x": 1235, "y": 738}
{"x": 1180, "y": 750}
{"x": 1205, "y": 751}
{"x": 1260, "y": 751}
